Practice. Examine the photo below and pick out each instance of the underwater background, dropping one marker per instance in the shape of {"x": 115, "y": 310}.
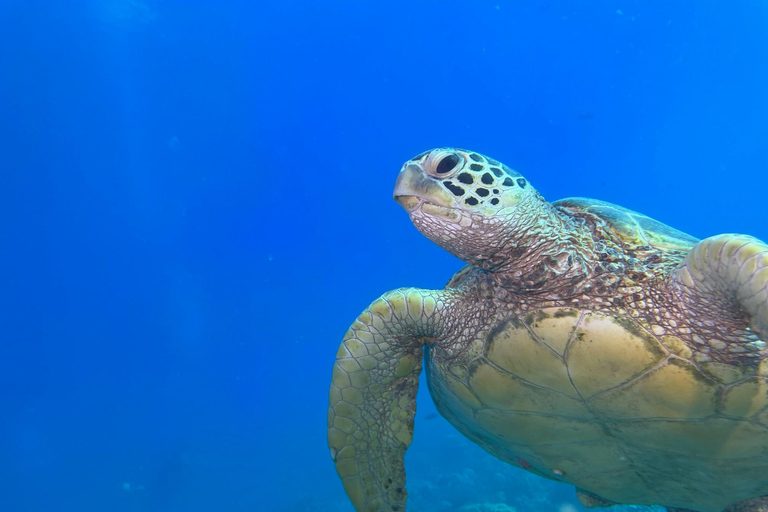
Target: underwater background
{"x": 197, "y": 202}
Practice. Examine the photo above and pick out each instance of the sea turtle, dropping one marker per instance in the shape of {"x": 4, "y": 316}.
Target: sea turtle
{"x": 583, "y": 342}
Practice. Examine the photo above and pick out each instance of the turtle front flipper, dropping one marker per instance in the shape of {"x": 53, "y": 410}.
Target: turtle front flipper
{"x": 373, "y": 395}
{"x": 727, "y": 274}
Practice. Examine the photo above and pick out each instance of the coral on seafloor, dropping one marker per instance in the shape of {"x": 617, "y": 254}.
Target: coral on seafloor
{"x": 488, "y": 507}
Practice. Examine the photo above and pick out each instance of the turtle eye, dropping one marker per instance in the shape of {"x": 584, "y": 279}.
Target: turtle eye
{"x": 447, "y": 164}
{"x": 443, "y": 163}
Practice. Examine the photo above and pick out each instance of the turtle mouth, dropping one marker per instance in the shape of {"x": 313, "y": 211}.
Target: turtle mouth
{"x": 409, "y": 202}
{"x": 415, "y": 205}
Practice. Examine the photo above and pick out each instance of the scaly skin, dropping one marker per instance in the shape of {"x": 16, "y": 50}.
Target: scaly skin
{"x": 727, "y": 273}
{"x": 525, "y": 255}
{"x": 373, "y": 395}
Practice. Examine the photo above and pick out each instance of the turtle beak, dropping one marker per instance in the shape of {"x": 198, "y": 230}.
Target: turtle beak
{"x": 414, "y": 187}
{"x": 410, "y": 203}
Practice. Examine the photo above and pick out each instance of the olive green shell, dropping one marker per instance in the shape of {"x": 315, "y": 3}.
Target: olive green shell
{"x": 631, "y": 227}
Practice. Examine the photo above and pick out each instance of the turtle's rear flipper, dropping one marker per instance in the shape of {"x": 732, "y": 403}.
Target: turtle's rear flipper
{"x": 373, "y": 396}
{"x": 724, "y": 280}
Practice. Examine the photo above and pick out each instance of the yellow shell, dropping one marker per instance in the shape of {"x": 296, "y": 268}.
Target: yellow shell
{"x": 600, "y": 402}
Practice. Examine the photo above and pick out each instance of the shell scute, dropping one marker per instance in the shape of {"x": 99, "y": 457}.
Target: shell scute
{"x": 498, "y": 389}
{"x": 721, "y": 438}
{"x": 523, "y": 354}
{"x": 604, "y": 353}
{"x": 675, "y": 390}
{"x": 629, "y": 225}
{"x": 746, "y": 398}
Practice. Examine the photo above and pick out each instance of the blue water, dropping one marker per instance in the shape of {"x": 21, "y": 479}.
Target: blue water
{"x": 196, "y": 203}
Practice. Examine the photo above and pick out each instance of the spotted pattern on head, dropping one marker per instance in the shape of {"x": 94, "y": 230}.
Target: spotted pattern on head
{"x": 476, "y": 181}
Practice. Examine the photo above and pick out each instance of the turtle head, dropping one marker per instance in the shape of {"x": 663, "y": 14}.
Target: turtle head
{"x": 476, "y": 208}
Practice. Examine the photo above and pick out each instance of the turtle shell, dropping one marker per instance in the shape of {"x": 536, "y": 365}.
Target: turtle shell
{"x": 600, "y": 402}
{"x": 631, "y": 227}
